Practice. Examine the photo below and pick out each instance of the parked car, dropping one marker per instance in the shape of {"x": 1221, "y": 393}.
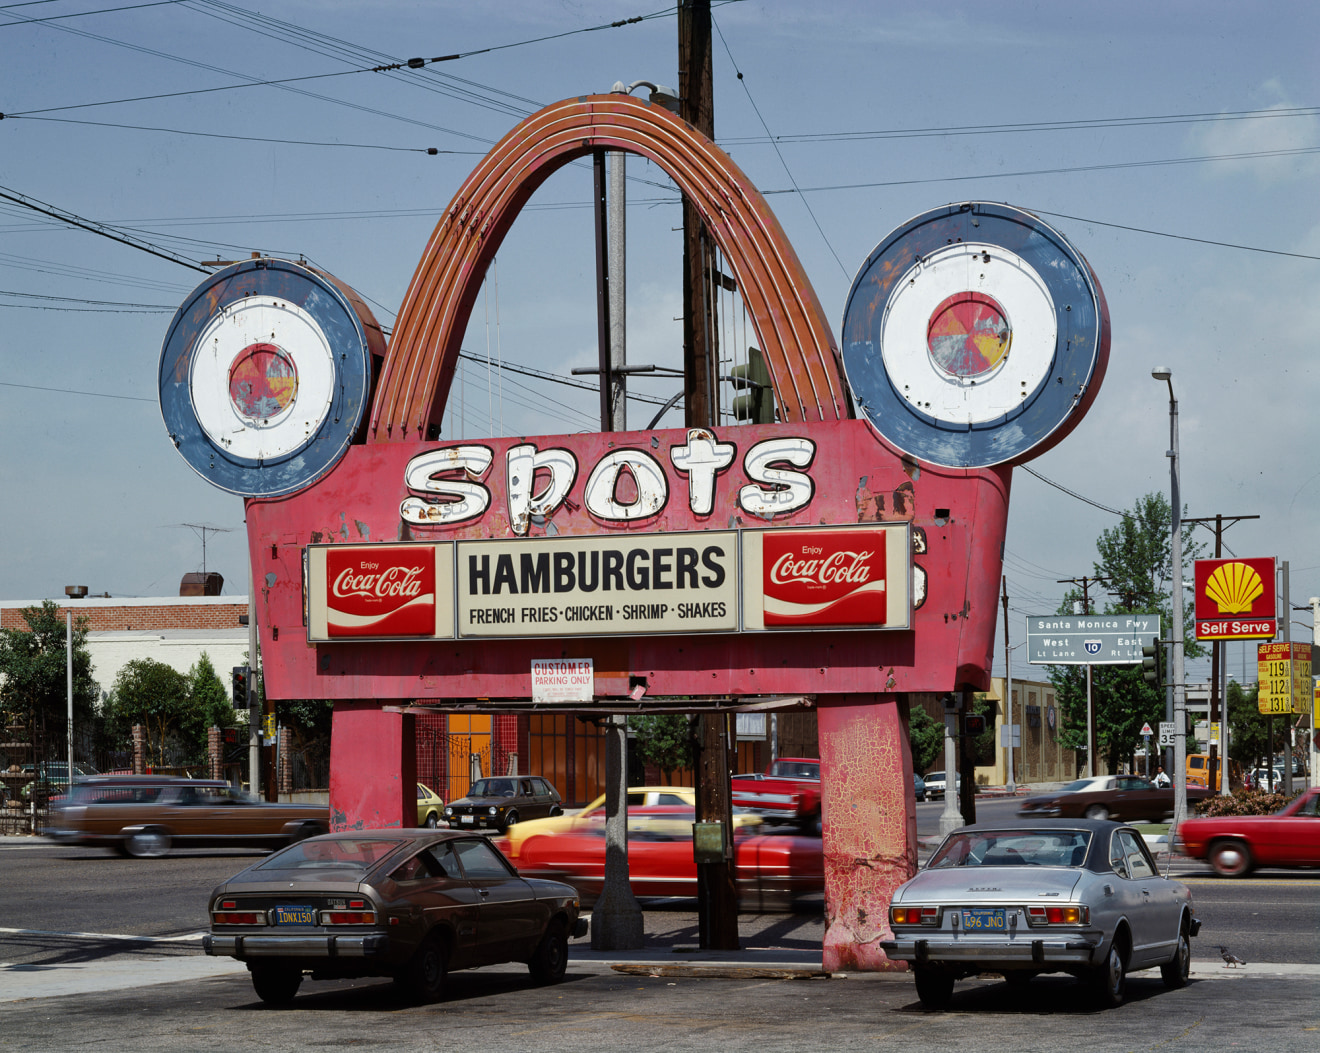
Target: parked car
{"x": 499, "y": 803}
{"x": 1265, "y": 779}
{"x": 1126, "y": 798}
{"x": 786, "y": 792}
{"x": 52, "y": 777}
{"x": 1198, "y": 771}
{"x": 936, "y": 781}
{"x": 918, "y": 786}
{"x": 409, "y": 904}
{"x": 146, "y": 815}
{"x": 1074, "y": 896}
{"x": 1236, "y": 844}
{"x": 430, "y": 806}
{"x": 771, "y": 870}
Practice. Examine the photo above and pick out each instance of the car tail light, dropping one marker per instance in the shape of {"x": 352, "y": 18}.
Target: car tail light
{"x": 355, "y": 915}
{"x": 914, "y": 915}
{"x": 238, "y": 917}
{"x": 1058, "y": 915}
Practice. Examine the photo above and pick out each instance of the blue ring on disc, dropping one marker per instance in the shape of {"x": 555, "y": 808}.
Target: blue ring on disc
{"x": 1046, "y": 401}
{"x": 326, "y": 317}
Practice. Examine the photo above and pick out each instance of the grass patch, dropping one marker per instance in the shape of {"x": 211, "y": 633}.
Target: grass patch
{"x": 1151, "y": 828}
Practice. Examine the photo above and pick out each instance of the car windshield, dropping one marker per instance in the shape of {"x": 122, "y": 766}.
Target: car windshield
{"x": 1013, "y": 848}
{"x": 1078, "y": 786}
{"x": 356, "y": 853}
{"x": 494, "y": 788}
{"x": 794, "y": 770}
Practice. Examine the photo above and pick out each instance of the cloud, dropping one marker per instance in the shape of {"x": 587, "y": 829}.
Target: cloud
{"x": 1274, "y": 139}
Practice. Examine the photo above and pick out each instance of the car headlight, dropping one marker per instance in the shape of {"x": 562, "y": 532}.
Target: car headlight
{"x": 493, "y": 810}
{"x": 449, "y": 810}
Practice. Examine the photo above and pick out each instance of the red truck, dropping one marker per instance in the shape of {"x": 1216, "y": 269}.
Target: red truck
{"x": 789, "y": 792}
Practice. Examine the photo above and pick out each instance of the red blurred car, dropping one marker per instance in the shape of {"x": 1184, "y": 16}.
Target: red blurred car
{"x": 772, "y": 871}
{"x": 1236, "y": 844}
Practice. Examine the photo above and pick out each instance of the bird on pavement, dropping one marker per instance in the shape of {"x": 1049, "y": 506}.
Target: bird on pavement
{"x": 1229, "y": 957}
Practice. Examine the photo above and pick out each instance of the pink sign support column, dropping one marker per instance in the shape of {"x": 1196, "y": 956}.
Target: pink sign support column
{"x": 870, "y": 824}
{"x": 373, "y": 767}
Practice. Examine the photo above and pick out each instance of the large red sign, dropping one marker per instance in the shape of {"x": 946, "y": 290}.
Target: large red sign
{"x": 824, "y": 577}
{"x": 1235, "y": 599}
{"x": 388, "y": 590}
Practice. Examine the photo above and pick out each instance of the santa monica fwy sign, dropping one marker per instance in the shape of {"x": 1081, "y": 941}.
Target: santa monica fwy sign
{"x": 1089, "y": 639}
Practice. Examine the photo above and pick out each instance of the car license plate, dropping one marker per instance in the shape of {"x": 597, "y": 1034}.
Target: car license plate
{"x": 980, "y": 919}
{"x": 291, "y": 915}
{"x": 465, "y": 819}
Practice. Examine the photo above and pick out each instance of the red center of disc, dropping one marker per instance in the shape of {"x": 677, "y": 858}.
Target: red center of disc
{"x": 263, "y": 381}
{"x": 968, "y": 334}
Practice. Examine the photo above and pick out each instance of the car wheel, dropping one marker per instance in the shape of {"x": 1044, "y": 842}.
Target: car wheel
{"x": 811, "y": 825}
{"x": 301, "y": 833}
{"x": 431, "y": 820}
{"x": 934, "y": 986}
{"x": 276, "y": 984}
{"x": 424, "y": 976}
{"x": 147, "y": 844}
{"x": 1097, "y": 811}
{"x": 1231, "y": 859}
{"x": 1176, "y": 971}
{"x": 1111, "y": 978}
{"x": 548, "y": 964}
{"x": 510, "y": 820}
{"x": 556, "y": 811}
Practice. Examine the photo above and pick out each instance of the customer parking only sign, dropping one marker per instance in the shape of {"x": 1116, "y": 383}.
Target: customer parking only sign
{"x": 1089, "y": 639}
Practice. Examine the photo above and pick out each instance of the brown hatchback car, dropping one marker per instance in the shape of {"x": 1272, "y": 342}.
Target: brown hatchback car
{"x": 146, "y": 815}
{"x": 408, "y": 904}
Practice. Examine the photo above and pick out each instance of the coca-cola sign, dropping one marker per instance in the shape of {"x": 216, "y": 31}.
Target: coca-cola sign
{"x": 837, "y": 577}
{"x": 383, "y": 590}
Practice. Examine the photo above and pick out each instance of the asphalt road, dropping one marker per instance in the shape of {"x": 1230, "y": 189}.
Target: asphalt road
{"x": 95, "y": 948}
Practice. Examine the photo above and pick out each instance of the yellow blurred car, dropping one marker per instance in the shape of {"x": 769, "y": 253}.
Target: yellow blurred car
{"x": 429, "y": 807}
{"x": 638, "y": 797}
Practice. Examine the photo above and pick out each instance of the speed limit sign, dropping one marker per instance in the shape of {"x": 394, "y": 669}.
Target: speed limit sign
{"x": 1166, "y": 732}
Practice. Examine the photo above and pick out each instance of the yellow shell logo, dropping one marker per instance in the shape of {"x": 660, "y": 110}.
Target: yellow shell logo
{"x": 1235, "y": 587}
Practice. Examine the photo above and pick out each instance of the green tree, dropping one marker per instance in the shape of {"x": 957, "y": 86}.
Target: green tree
{"x": 308, "y": 721}
{"x": 154, "y": 695}
{"x": 208, "y": 706}
{"x": 34, "y": 676}
{"x": 1248, "y": 727}
{"x": 927, "y": 737}
{"x": 664, "y": 740}
{"x": 1136, "y": 570}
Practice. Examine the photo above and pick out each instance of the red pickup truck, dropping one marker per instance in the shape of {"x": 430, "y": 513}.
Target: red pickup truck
{"x": 789, "y": 792}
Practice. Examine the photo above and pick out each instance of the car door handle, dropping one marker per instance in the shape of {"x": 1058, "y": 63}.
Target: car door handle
{"x": 483, "y": 892}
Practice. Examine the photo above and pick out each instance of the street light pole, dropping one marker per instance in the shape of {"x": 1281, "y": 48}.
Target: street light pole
{"x": 73, "y": 592}
{"x": 1177, "y": 670}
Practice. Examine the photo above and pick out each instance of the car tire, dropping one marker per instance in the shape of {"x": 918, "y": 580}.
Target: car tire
{"x": 548, "y": 964}
{"x": 1097, "y": 811}
{"x": 423, "y": 978}
{"x": 811, "y": 826}
{"x": 1176, "y": 971}
{"x": 303, "y": 832}
{"x": 276, "y": 984}
{"x": 934, "y": 986}
{"x": 510, "y": 820}
{"x": 151, "y": 843}
{"x": 1110, "y": 979}
{"x": 1231, "y": 859}
{"x": 432, "y": 821}
{"x": 556, "y": 811}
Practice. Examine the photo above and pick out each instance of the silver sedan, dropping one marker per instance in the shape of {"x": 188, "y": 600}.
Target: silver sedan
{"x": 1039, "y": 896}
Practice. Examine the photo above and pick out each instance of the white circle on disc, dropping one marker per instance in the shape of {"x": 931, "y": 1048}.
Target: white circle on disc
{"x": 1029, "y": 309}
{"x": 262, "y": 320}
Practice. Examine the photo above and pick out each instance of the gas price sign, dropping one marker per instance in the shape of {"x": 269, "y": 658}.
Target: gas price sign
{"x": 1284, "y": 674}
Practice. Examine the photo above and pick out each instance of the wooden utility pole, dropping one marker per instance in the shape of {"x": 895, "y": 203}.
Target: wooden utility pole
{"x": 717, "y": 891}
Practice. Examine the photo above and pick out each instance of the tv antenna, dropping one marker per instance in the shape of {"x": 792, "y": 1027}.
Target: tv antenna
{"x": 201, "y": 530}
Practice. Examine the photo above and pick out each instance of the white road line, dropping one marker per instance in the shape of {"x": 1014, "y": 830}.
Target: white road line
{"x": 192, "y": 937}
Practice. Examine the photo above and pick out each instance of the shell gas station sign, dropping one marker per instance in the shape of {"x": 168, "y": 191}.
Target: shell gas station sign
{"x": 1235, "y": 599}
{"x": 1284, "y": 677}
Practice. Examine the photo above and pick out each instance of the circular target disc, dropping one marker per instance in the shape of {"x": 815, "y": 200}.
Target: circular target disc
{"x": 975, "y": 335}
{"x": 264, "y": 377}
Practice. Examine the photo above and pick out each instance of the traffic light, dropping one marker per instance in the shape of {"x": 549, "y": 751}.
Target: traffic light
{"x": 758, "y": 404}
{"x": 973, "y": 724}
{"x": 1152, "y": 665}
{"x": 241, "y": 675}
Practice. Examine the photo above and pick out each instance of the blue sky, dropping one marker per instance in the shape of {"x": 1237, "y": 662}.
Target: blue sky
{"x": 1199, "y": 222}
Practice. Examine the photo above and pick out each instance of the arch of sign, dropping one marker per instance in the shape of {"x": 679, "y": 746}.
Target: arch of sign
{"x": 788, "y": 319}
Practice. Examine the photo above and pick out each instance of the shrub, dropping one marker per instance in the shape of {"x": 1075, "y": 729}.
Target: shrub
{"x": 1243, "y": 802}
